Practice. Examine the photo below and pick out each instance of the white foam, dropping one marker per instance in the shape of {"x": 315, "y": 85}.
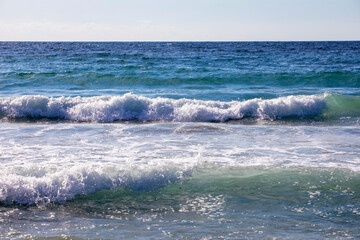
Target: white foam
{"x": 34, "y": 185}
{"x": 133, "y": 107}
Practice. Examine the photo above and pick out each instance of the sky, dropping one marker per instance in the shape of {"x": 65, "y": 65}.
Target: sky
{"x": 175, "y": 20}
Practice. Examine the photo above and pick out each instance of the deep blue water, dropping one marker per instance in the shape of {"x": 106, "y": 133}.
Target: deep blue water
{"x": 208, "y": 71}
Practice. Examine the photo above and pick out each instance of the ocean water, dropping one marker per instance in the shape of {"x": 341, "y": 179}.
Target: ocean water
{"x": 179, "y": 140}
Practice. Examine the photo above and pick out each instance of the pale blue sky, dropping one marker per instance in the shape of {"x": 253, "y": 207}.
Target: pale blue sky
{"x": 186, "y": 20}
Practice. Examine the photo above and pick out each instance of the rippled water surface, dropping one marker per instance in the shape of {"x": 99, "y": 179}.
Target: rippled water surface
{"x": 179, "y": 140}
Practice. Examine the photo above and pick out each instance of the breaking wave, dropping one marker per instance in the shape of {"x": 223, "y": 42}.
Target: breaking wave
{"x": 134, "y": 107}
{"x": 37, "y": 185}
{"x": 31, "y": 185}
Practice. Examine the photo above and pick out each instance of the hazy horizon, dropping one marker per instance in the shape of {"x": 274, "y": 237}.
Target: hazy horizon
{"x": 172, "y": 21}
{"x": 175, "y": 41}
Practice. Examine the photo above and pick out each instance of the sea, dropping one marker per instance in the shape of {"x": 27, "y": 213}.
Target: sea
{"x": 180, "y": 140}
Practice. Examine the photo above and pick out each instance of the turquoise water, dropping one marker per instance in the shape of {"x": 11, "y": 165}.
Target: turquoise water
{"x": 178, "y": 140}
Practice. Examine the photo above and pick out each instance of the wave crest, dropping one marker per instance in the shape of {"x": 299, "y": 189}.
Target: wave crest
{"x": 134, "y": 107}
{"x": 35, "y": 185}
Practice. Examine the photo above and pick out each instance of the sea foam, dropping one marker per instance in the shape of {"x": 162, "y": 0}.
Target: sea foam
{"x": 134, "y": 107}
{"x": 40, "y": 185}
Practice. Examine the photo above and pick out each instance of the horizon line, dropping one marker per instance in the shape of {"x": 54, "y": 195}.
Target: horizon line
{"x": 177, "y": 41}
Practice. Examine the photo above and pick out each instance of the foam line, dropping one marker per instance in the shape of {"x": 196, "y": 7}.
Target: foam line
{"x": 134, "y": 107}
